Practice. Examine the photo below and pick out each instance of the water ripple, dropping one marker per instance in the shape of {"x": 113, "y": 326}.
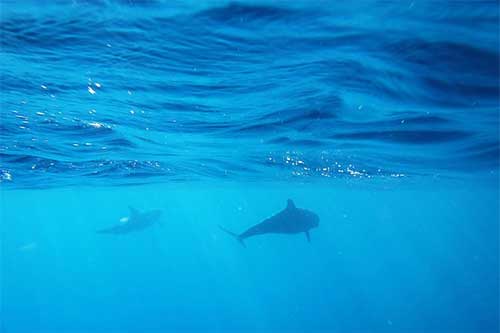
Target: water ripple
{"x": 120, "y": 92}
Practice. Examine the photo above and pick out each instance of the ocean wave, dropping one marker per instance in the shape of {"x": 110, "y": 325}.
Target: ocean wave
{"x": 139, "y": 91}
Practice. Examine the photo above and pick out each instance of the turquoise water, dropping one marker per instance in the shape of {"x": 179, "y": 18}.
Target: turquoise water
{"x": 380, "y": 117}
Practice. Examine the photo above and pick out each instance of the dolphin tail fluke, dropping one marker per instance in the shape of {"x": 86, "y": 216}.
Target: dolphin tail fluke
{"x": 238, "y": 237}
{"x": 112, "y": 230}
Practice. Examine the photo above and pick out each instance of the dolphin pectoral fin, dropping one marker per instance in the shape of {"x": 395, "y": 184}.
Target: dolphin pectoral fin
{"x": 238, "y": 237}
{"x": 308, "y": 236}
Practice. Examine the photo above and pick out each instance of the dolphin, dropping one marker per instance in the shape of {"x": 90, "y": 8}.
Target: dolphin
{"x": 291, "y": 220}
{"x": 135, "y": 222}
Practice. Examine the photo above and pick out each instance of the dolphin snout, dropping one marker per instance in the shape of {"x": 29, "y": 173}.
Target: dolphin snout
{"x": 315, "y": 220}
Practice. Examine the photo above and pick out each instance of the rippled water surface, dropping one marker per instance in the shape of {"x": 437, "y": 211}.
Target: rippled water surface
{"x": 134, "y": 92}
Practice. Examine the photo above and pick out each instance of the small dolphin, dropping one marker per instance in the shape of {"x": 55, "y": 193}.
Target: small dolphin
{"x": 135, "y": 222}
{"x": 291, "y": 220}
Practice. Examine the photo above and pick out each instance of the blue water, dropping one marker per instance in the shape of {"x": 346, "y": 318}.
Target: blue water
{"x": 380, "y": 117}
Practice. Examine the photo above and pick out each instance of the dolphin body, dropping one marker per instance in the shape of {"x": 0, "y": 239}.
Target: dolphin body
{"x": 137, "y": 221}
{"x": 291, "y": 220}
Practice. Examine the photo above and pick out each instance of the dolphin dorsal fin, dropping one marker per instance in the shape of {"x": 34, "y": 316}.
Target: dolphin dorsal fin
{"x": 290, "y": 204}
{"x": 133, "y": 211}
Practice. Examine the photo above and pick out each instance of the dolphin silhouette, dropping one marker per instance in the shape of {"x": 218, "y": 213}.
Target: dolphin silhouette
{"x": 135, "y": 222}
{"x": 291, "y": 220}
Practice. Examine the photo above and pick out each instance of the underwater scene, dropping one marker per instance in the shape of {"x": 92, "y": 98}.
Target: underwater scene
{"x": 250, "y": 166}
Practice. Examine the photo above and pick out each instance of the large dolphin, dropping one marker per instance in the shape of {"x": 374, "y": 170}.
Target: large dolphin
{"x": 291, "y": 220}
{"x": 135, "y": 222}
